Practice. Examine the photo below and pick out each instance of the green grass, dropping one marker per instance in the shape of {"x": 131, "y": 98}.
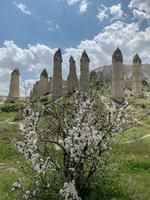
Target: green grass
{"x": 138, "y": 166}
{"x": 10, "y": 158}
{"x": 137, "y": 152}
{"x": 7, "y": 115}
{"x": 138, "y": 130}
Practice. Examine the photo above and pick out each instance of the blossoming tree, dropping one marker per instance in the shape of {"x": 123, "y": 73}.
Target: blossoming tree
{"x": 71, "y": 143}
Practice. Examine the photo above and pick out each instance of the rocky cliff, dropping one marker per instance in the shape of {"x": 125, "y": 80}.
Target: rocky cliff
{"x": 105, "y": 72}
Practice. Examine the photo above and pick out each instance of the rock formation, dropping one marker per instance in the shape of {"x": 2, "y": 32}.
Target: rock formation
{"x": 84, "y": 72}
{"x": 128, "y": 83}
{"x": 50, "y": 83}
{"x": 57, "y": 88}
{"x": 43, "y": 85}
{"x": 117, "y": 77}
{"x": 72, "y": 77}
{"x": 14, "y": 91}
{"x": 137, "y": 77}
{"x": 35, "y": 92}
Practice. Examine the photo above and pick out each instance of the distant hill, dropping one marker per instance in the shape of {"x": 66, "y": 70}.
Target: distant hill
{"x": 106, "y": 72}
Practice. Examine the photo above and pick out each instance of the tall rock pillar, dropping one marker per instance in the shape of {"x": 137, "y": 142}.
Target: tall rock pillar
{"x": 57, "y": 85}
{"x": 72, "y": 78}
{"x": 137, "y": 77}
{"x": 44, "y": 86}
{"x": 117, "y": 77}
{"x": 14, "y": 91}
{"x": 50, "y": 83}
{"x": 84, "y": 72}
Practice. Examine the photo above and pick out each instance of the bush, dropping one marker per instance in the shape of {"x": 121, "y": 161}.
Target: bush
{"x": 13, "y": 106}
{"x": 18, "y": 117}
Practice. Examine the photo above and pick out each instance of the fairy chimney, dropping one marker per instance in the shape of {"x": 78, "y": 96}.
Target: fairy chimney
{"x": 44, "y": 86}
{"x": 50, "y": 83}
{"x": 57, "y": 85}
{"x": 117, "y": 77}
{"x": 137, "y": 77}
{"x": 72, "y": 78}
{"x": 84, "y": 72}
{"x": 36, "y": 90}
{"x": 14, "y": 92}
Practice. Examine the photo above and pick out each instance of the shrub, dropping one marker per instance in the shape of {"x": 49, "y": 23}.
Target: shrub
{"x": 14, "y": 106}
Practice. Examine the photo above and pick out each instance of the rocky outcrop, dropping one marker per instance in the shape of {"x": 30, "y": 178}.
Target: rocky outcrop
{"x": 117, "y": 77}
{"x": 41, "y": 87}
{"x": 14, "y": 91}
{"x": 57, "y": 85}
{"x": 43, "y": 84}
{"x": 106, "y": 71}
{"x": 84, "y": 72}
{"x": 137, "y": 77}
{"x": 72, "y": 85}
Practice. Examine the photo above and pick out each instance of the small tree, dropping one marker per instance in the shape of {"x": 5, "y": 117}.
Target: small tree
{"x": 74, "y": 142}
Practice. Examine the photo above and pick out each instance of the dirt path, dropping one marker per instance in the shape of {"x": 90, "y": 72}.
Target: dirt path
{"x": 132, "y": 141}
{"x": 144, "y": 124}
{"x": 7, "y": 121}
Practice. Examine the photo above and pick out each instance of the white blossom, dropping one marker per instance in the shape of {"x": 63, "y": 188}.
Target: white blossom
{"x": 69, "y": 191}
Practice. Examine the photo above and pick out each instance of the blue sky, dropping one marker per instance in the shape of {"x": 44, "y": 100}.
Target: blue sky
{"x": 32, "y": 30}
{"x": 74, "y": 27}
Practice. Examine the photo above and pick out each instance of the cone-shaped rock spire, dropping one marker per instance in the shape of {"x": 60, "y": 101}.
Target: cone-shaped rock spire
{"x": 137, "y": 77}
{"x": 57, "y": 85}
{"x": 58, "y": 55}
{"x": 71, "y": 60}
{"x": 137, "y": 59}
{"x": 14, "y": 91}
{"x": 50, "y": 84}
{"x": 41, "y": 87}
{"x": 72, "y": 77}
{"x": 84, "y": 72}
{"x": 117, "y": 77}
{"x": 36, "y": 90}
{"x": 117, "y": 56}
{"x": 16, "y": 71}
{"x": 44, "y": 73}
{"x": 85, "y": 56}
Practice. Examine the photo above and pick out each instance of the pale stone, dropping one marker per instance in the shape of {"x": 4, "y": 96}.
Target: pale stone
{"x": 137, "y": 77}
{"x": 50, "y": 83}
{"x": 72, "y": 77}
{"x": 57, "y": 85}
{"x": 117, "y": 77}
{"x": 36, "y": 91}
{"x": 84, "y": 72}
{"x": 41, "y": 87}
{"x": 44, "y": 85}
{"x": 128, "y": 83}
{"x": 14, "y": 91}
{"x": 93, "y": 76}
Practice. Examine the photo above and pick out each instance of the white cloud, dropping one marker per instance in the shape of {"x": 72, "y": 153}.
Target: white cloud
{"x": 82, "y": 4}
{"x": 33, "y": 59}
{"x": 115, "y": 12}
{"x": 23, "y": 8}
{"x": 72, "y": 2}
{"x": 141, "y": 9}
{"x": 140, "y": 15}
{"x": 52, "y": 26}
{"x": 103, "y": 12}
{"x": 30, "y": 61}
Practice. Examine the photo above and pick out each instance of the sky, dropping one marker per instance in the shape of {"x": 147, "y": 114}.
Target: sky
{"x": 32, "y": 30}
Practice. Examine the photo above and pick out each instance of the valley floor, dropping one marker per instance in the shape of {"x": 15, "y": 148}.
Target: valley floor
{"x": 134, "y": 144}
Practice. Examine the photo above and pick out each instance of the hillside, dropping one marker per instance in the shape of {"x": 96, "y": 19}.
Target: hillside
{"x": 131, "y": 150}
{"x": 106, "y": 72}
